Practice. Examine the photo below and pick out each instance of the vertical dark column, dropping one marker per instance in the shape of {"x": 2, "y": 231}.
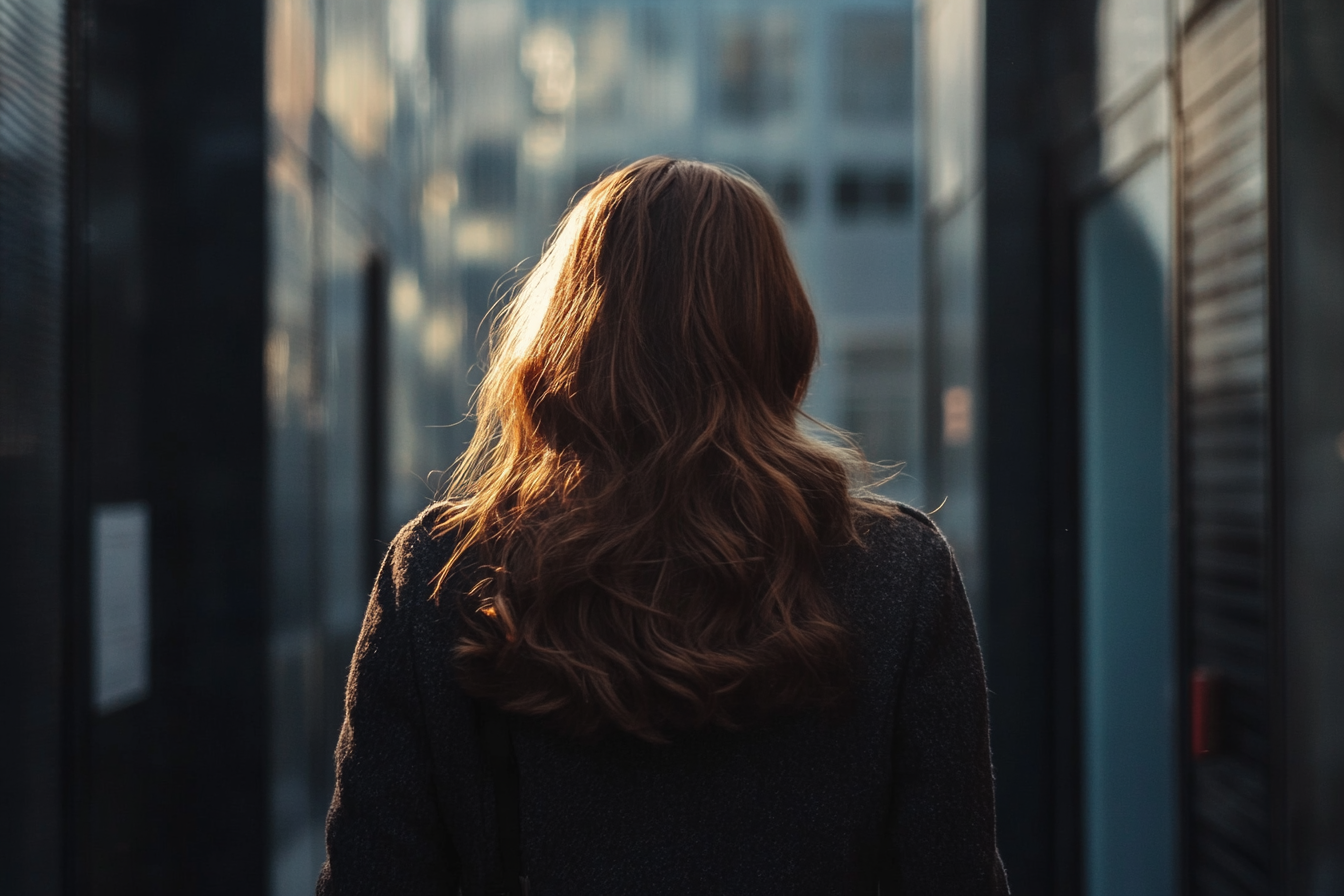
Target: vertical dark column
{"x": 1060, "y": 445}
{"x": 168, "y": 793}
{"x": 1039, "y": 57}
{"x": 32, "y": 356}
{"x": 77, "y": 659}
{"x": 167, "y": 409}
{"x": 207, "y": 438}
{"x": 1310, "y": 283}
{"x": 1015, "y": 414}
{"x": 375, "y": 408}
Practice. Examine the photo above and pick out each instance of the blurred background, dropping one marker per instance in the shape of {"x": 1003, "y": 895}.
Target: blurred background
{"x": 1079, "y": 266}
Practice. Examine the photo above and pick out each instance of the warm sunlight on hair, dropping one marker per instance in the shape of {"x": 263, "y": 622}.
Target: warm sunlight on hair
{"x": 646, "y": 511}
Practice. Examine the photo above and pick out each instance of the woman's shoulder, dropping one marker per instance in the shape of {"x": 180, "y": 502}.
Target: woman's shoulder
{"x": 898, "y": 533}
{"x": 417, "y": 555}
{"x": 899, "y": 566}
{"x": 894, "y": 582}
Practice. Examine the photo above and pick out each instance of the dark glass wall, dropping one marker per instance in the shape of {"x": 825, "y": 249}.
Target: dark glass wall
{"x": 32, "y": 494}
{"x": 166, "y": 694}
{"x": 1310, "y": 174}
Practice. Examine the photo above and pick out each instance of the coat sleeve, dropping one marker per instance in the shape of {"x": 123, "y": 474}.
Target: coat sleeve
{"x": 384, "y": 829}
{"x": 943, "y": 809}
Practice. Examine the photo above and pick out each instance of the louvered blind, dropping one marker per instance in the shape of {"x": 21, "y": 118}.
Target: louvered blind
{"x": 1225, "y": 435}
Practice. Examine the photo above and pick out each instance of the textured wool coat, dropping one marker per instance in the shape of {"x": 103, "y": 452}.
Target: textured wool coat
{"x": 790, "y": 807}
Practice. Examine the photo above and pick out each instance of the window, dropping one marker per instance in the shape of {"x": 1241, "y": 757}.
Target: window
{"x": 786, "y": 185}
{"x": 757, "y": 64}
{"x": 871, "y": 192}
{"x": 873, "y": 68}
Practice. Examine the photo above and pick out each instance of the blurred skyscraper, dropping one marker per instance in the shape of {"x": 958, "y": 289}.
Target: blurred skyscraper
{"x": 419, "y": 155}
{"x": 814, "y": 100}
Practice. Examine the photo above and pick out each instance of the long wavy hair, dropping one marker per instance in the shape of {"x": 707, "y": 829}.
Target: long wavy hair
{"x": 645, "y": 514}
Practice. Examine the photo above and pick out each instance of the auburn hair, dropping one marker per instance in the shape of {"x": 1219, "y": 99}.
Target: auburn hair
{"x": 644, "y": 514}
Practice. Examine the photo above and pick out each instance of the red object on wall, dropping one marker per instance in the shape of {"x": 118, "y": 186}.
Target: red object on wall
{"x": 1206, "y": 712}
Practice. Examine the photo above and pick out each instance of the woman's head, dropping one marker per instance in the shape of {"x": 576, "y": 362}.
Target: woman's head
{"x": 646, "y": 514}
{"x": 666, "y": 308}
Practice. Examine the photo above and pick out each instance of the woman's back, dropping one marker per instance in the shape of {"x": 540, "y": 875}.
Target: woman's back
{"x": 796, "y": 805}
{"x": 728, "y": 669}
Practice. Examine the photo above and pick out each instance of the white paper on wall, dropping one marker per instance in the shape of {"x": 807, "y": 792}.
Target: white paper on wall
{"x": 120, "y": 605}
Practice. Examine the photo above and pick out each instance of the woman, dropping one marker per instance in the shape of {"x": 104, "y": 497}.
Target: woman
{"x": 723, "y": 669}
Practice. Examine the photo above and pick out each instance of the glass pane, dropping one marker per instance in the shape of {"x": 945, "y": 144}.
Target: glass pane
{"x": 1128, "y": 650}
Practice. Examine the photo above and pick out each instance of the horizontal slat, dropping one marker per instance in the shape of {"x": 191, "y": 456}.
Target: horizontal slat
{"x": 1239, "y": 508}
{"x": 1229, "y": 595}
{"x": 1231, "y": 632}
{"x": 1237, "y": 116}
{"x": 1241, "y": 191}
{"x": 1227, "y": 537}
{"x": 1229, "y": 238}
{"x": 1218, "y": 414}
{"x": 1224, "y": 41}
{"x": 1238, "y": 372}
{"x": 1225, "y": 406}
{"x": 1230, "y": 337}
{"x": 1223, "y": 445}
{"x": 1227, "y": 213}
{"x": 1204, "y": 109}
{"x": 1250, "y": 300}
{"x": 1230, "y": 471}
{"x": 1231, "y": 635}
{"x": 1234, "y": 788}
{"x": 1215, "y": 283}
{"x": 1237, "y": 153}
{"x": 1240, "y": 578}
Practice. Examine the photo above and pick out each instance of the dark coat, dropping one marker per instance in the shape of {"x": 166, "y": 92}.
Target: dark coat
{"x": 790, "y": 807}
